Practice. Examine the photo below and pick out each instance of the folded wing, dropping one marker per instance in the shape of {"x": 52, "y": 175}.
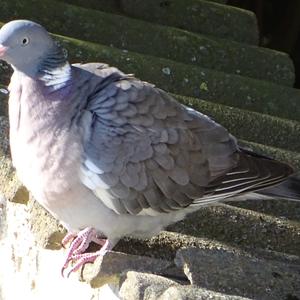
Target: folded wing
{"x": 147, "y": 154}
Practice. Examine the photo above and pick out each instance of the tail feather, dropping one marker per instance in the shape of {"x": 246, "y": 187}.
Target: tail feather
{"x": 288, "y": 189}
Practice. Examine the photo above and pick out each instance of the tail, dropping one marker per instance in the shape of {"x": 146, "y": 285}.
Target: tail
{"x": 288, "y": 189}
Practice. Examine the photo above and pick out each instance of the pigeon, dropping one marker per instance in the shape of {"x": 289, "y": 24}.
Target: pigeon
{"x": 112, "y": 156}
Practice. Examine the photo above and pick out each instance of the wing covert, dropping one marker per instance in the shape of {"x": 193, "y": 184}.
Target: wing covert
{"x": 147, "y": 151}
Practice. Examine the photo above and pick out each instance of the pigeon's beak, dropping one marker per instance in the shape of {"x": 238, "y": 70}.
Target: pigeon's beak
{"x": 3, "y": 50}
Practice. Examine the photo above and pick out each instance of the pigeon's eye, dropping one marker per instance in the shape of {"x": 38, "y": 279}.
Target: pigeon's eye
{"x": 25, "y": 41}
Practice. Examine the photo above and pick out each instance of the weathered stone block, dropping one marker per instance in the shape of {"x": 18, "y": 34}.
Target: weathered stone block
{"x": 199, "y": 16}
{"x": 110, "y": 268}
{"x": 244, "y": 276}
{"x": 151, "y": 287}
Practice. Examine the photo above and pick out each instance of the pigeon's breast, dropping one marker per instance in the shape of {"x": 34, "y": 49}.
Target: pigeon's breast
{"x": 47, "y": 167}
{"x": 46, "y": 152}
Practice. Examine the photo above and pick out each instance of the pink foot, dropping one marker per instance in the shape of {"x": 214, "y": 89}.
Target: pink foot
{"x": 79, "y": 245}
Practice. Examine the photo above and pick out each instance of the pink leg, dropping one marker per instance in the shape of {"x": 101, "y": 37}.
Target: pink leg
{"x": 87, "y": 231}
{"x": 79, "y": 245}
{"x": 84, "y": 258}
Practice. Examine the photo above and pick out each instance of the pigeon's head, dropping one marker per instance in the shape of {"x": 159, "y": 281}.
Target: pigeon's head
{"x": 24, "y": 44}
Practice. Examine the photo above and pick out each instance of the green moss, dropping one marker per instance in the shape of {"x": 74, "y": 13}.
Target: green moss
{"x": 242, "y": 228}
{"x": 4, "y": 75}
{"x": 250, "y": 126}
{"x": 218, "y": 1}
{"x": 148, "y": 38}
{"x": 3, "y": 104}
{"x": 192, "y": 15}
{"x": 290, "y": 157}
{"x": 280, "y": 209}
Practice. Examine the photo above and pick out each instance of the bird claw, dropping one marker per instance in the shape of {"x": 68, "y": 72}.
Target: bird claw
{"x": 69, "y": 236}
{"x": 79, "y": 244}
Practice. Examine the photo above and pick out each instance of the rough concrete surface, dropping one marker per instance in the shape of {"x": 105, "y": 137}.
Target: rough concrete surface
{"x": 111, "y": 267}
{"x": 226, "y": 272}
{"x": 204, "y": 17}
{"x": 146, "y": 286}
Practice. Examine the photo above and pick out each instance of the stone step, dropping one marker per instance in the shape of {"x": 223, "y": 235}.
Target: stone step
{"x": 218, "y": 1}
{"x": 281, "y": 209}
{"x": 3, "y": 93}
{"x": 193, "y": 15}
{"x": 4, "y": 75}
{"x": 290, "y": 157}
{"x": 138, "y": 285}
{"x": 248, "y": 125}
{"x": 238, "y": 237}
{"x": 254, "y": 228}
{"x": 241, "y": 275}
{"x": 172, "y": 43}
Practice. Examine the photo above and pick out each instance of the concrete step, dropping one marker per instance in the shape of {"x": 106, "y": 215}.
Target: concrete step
{"x": 241, "y": 275}
{"x": 248, "y": 125}
{"x": 198, "y": 16}
{"x": 139, "y": 36}
{"x": 218, "y": 1}
{"x": 291, "y": 157}
{"x": 263, "y": 230}
{"x": 137, "y": 285}
{"x": 285, "y": 210}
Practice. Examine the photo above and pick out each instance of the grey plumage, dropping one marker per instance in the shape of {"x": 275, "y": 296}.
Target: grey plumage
{"x": 109, "y": 151}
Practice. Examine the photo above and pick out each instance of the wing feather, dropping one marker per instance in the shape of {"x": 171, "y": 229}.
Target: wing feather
{"x": 146, "y": 154}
